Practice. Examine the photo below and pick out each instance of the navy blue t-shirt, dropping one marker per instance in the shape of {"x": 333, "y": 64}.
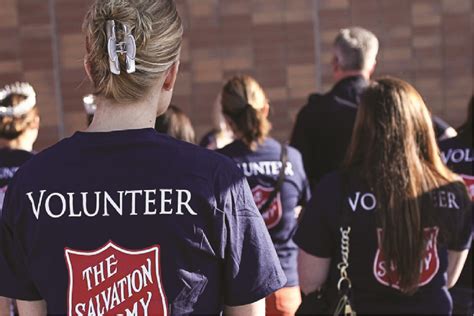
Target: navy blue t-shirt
{"x": 124, "y": 221}
{"x": 458, "y": 154}
{"x": 318, "y": 234}
{"x": 10, "y": 162}
{"x": 262, "y": 168}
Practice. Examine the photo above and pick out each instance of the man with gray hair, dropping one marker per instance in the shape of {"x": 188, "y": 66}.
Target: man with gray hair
{"x": 355, "y": 52}
{"x": 324, "y": 125}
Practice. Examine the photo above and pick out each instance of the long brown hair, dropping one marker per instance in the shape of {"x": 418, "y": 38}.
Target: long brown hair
{"x": 243, "y": 100}
{"x": 395, "y": 149}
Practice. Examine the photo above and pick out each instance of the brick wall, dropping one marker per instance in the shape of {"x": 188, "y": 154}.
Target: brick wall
{"x": 285, "y": 44}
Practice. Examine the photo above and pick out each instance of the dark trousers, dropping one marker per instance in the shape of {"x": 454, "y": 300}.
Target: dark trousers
{"x": 462, "y": 301}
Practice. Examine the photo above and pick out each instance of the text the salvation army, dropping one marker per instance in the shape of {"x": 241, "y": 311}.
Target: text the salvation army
{"x": 103, "y": 203}
{"x": 120, "y": 291}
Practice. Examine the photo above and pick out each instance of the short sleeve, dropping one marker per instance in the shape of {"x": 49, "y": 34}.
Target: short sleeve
{"x": 252, "y": 270}
{"x": 463, "y": 232}
{"x": 315, "y": 233}
{"x": 14, "y": 275}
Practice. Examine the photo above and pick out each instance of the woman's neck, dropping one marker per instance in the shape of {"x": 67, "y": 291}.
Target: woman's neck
{"x": 112, "y": 116}
{"x": 19, "y": 143}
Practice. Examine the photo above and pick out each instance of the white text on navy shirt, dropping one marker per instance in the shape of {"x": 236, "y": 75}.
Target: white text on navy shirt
{"x": 457, "y": 155}
{"x": 56, "y": 205}
{"x": 267, "y": 168}
{"x": 368, "y": 202}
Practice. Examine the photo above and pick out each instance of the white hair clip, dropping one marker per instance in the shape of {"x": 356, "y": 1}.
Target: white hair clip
{"x": 127, "y": 47}
{"x": 21, "y": 88}
{"x": 89, "y": 104}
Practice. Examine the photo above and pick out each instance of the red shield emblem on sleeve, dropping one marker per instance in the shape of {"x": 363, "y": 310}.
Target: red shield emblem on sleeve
{"x": 115, "y": 281}
{"x": 273, "y": 214}
{"x": 469, "y": 181}
{"x": 386, "y": 273}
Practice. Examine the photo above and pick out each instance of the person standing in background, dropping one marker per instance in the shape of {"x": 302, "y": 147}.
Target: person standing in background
{"x": 323, "y": 127}
{"x": 407, "y": 218}
{"x": 458, "y": 154}
{"x": 175, "y": 124}
{"x": 19, "y": 125}
{"x": 276, "y": 176}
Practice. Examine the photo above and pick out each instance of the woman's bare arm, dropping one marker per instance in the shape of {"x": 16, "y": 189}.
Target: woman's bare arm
{"x": 313, "y": 271}
{"x": 33, "y": 308}
{"x": 456, "y": 260}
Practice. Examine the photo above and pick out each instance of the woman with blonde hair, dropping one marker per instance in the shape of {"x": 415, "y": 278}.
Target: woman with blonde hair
{"x": 275, "y": 174}
{"x": 120, "y": 219}
{"x": 392, "y": 230}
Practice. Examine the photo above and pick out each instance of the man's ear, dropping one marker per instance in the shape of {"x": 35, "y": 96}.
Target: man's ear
{"x": 170, "y": 76}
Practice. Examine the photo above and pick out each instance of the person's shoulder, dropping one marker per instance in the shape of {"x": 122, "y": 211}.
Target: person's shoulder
{"x": 450, "y": 143}
{"x": 49, "y": 154}
{"x": 208, "y": 139}
{"x": 294, "y": 154}
{"x": 439, "y": 123}
{"x": 200, "y": 154}
{"x": 331, "y": 180}
{"x": 23, "y": 153}
{"x": 342, "y": 179}
{"x": 227, "y": 150}
{"x": 316, "y": 102}
{"x": 17, "y": 156}
{"x": 43, "y": 161}
{"x": 316, "y": 98}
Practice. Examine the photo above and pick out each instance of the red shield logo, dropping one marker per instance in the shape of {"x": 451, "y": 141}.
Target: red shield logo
{"x": 469, "y": 181}
{"x": 272, "y": 215}
{"x": 115, "y": 281}
{"x": 387, "y": 274}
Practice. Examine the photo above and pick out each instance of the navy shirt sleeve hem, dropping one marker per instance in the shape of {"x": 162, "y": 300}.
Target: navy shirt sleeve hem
{"x": 258, "y": 295}
{"x": 20, "y": 296}
{"x": 301, "y": 244}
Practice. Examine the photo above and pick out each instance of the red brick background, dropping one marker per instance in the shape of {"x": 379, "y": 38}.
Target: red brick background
{"x": 285, "y": 44}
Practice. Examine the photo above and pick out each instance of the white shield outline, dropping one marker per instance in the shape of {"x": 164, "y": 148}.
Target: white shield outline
{"x": 109, "y": 244}
{"x": 435, "y": 249}
{"x": 277, "y": 199}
